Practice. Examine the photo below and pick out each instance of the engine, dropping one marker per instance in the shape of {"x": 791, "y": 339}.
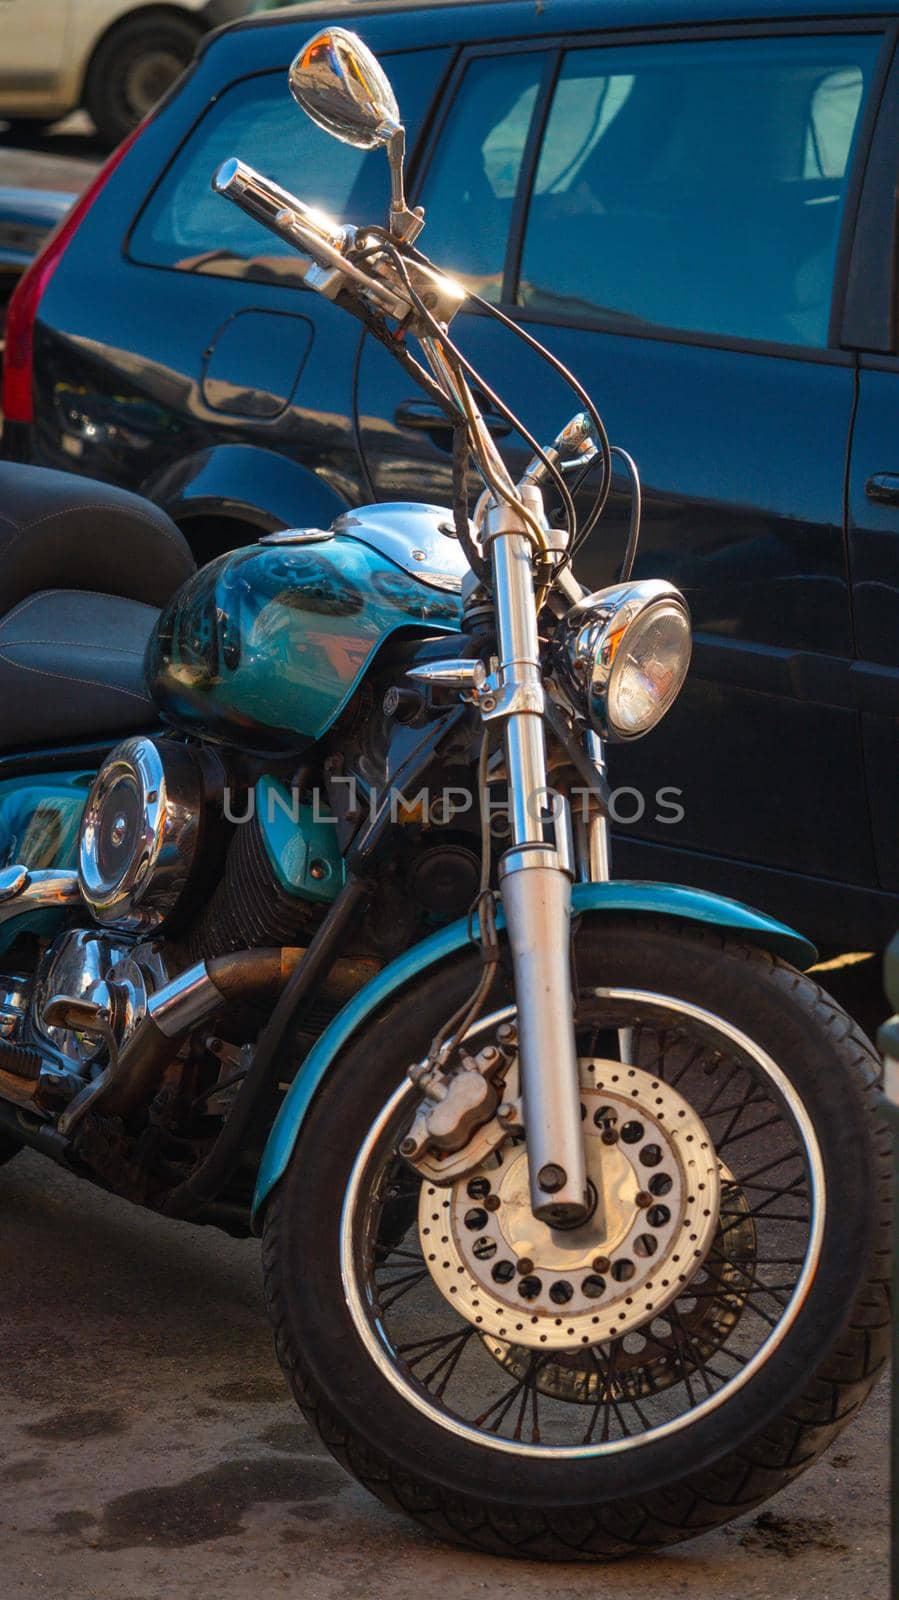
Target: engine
{"x": 169, "y": 876}
{"x": 187, "y": 855}
{"x": 157, "y": 852}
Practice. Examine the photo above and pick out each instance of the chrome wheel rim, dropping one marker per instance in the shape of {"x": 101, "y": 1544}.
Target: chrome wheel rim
{"x": 656, "y": 1378}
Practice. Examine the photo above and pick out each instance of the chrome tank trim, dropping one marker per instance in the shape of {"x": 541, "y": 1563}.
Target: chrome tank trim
{"x": 297, "y": 536}
{"x": 414, "y": 536}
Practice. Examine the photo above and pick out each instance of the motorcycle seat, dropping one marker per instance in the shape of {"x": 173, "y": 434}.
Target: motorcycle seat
{"x": 58, "y": 531}
{"x": 84, "y": 569}
{"x": 71, "y": 667}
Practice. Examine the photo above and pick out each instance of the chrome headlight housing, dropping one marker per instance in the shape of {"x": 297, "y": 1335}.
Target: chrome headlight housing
{"x": 623, "y": 654}
{"x": 140, "y": 833}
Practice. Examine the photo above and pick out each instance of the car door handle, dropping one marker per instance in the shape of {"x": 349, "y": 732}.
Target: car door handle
{"x": 428, "y": 417}
{"x": 884, "y": 487}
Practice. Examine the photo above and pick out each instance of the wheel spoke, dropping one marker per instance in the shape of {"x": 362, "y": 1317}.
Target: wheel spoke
{"x": 604, "y": 1399}
{"x": 396, "y": 1293}
{"x": 685, "y": 1340}
{"x": 695, "y": 1055}
{"x": 428, "y": 1346}
{"x": 448, "y": 1362}
{"x": 504, "y": 1404}
{"x": 747, "y": 1133}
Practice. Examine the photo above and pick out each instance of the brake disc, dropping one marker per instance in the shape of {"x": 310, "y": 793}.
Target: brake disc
{"x": 654, "y": 1189}
{"x": 675, "y": 1344}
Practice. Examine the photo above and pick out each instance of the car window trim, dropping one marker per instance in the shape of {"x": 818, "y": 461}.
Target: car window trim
{"x": 867, "y": 130}
{"x": 527, "y": 172}
{"x": 871, "y": 316}
{"x": 834, "y": 353}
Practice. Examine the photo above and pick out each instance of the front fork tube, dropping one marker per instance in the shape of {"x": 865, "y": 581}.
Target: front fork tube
{"x": 593, "y": 853}
{"x": 535, "y": 878}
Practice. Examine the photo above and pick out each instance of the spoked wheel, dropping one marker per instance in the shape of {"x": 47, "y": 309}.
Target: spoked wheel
{"x": 667, "y": 1363}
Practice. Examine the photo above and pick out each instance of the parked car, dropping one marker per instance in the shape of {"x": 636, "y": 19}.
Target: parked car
{"x": 27, "y": 216}
{"x": 694, "y": 204}
{"x": 114, "y": 57}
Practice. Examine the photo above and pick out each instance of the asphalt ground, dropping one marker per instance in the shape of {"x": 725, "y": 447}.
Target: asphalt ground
{"x": 149, "y": 1449}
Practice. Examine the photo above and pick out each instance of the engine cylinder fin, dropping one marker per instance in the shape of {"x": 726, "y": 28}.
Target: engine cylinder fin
{"x": 248, "y": 907}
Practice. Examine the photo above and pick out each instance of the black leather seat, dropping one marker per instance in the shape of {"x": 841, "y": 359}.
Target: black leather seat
{"x": 84, "y": 569}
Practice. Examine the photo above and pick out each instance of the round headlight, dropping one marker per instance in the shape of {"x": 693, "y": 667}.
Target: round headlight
{"x": 623, "y": 654}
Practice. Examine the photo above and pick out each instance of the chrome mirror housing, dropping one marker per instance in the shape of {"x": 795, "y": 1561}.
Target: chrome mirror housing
{"x": 622, "y": 654}
{"x": 342, "y": 86}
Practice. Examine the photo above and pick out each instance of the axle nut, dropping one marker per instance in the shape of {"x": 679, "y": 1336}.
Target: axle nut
{"x": 552, "y": 1178}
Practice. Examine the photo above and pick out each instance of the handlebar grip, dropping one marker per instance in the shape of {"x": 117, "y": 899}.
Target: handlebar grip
{"x": 276, "y": 208}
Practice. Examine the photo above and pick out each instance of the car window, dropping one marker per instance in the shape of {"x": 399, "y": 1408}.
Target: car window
{"x": 472, "y": 180}
{"x": 185, "y": 225}
{"x": 698, "y": 186}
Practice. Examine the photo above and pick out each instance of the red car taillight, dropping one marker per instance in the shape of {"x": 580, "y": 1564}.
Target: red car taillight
{"x": 18, "y": 360}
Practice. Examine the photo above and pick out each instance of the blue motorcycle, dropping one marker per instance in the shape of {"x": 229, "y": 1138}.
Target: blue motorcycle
{"x": 571, "y": 1196}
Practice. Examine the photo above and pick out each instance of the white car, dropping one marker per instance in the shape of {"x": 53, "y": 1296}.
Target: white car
{"x": 113, "y": 57}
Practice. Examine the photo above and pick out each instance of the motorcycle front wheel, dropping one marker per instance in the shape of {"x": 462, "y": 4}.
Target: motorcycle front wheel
{"x": 659, "y": 1369}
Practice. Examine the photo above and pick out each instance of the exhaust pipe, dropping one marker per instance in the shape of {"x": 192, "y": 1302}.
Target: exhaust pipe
{"x": 256, "y": 976}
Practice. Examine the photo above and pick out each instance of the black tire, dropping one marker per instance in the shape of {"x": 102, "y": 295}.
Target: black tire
{"x": 132, "y": 68}
{"x": 670, "y": 1488}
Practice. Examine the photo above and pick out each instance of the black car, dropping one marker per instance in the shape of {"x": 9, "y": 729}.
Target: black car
{"x": 694, "y": 206}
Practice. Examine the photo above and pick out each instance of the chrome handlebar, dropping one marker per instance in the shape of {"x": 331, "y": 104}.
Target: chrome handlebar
{"x": 312, "y": 233}
{"x": 309, "y": 232}
{"x": 384, "y": 286}
{"x": 274, "y": 207}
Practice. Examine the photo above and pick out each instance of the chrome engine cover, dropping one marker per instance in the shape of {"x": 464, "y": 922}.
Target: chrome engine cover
{"x": 89, "y": 965}
{"x": 140, "y": 833}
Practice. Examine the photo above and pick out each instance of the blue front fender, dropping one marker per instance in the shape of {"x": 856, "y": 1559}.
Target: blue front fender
{"x": 656, "y": 899}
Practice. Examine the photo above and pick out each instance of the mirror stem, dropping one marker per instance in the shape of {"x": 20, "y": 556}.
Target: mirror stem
{"x": 404, "y": 224}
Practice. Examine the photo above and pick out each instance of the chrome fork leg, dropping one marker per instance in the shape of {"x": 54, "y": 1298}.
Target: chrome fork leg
{"x": 536, "y": 892}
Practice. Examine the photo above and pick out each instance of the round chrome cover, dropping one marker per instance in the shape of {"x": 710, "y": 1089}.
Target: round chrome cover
{"x": 139, "y": 833}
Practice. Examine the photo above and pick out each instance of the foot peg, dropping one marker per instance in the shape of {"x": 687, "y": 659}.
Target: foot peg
{"x": 20, "y": 1071}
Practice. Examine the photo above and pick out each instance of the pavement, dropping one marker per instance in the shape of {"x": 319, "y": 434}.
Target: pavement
{"x": 149, "y": 1449}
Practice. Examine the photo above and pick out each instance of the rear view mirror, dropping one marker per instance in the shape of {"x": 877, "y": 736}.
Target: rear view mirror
{"x": 344, "y": 89}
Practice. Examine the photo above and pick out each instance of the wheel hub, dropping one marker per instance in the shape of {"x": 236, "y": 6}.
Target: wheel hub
{"x": 655, "y": 1193}
{"x": 149, "y": 77}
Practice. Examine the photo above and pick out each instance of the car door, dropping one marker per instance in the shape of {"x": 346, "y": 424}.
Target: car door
{"x": 873, "y": 500}
{"x": 670, "y": 216}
